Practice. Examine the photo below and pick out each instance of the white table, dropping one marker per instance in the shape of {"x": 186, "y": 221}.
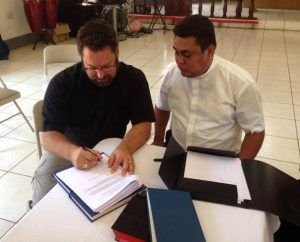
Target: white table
{"x": 56, "y": 217}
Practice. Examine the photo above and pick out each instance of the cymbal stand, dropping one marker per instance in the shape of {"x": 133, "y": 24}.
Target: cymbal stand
{"x": 157, "y": 14}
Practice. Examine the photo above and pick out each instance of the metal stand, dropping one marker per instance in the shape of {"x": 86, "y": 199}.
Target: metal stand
{"x": 120, "y": 36}
{"x": 157, "y": 14}
{"x": 43, "y": 36}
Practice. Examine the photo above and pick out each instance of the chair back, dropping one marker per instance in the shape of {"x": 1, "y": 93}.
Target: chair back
{"x": 60, "y": 54}
{"x": 9, "y": 95}
{"x": 38, "y": 124}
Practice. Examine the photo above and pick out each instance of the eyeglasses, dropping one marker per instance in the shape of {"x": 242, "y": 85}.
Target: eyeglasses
{"x": 93, "y": 70}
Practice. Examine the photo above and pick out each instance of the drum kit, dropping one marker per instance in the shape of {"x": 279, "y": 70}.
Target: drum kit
{"x": 112, "y": 11}
{"x": 116, "y": 12}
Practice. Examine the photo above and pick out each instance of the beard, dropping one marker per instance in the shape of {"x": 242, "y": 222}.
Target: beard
{"x": 103, "y": 82}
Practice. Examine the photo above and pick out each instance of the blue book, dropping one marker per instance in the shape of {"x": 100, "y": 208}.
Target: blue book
{"x": 172, "y": 216}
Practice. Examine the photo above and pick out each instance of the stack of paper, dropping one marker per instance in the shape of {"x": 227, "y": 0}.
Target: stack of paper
{"x": 98, "y": 187}
{"x": 217, "y": 169}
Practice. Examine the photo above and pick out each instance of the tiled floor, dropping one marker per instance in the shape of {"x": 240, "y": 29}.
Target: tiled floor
{"x": 271, "y": 56}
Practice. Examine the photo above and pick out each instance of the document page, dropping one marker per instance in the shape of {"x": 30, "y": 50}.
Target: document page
{"x": 217, "y": 169}
{"x": 98, "y": 187}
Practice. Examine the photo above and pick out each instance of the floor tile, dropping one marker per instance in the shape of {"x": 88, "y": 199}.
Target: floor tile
{"x": 295, "y": 77}
{"x": 296, "y": 98}
{"x": 150, "y": 52}
{"x": 13, "y": 151}
{"x": 274, "y": 85}
{"x": 278, "y": 110}
{"x": 5, "y": 226}
{"x": 2, "y": 173}
{"x": 276, "y": 96}
{"x": 294, "y": 61}
{"x": 267, "y": 67}
{"x": 297, "y": 112}
{"x": 225, "y": 54}
{"x": 283, "y": 149}
{"x": 274, "y": 75}
{"x": 28, "y": 165}
{"x": 153, "y": 71}
{"x": 281, "y": 127}
{"x": 273, "y": 55}
{"x": 158, "y": 83}
{"x": 10, "y": 124}
{"x": 25, "y": 104}
{"x": 152, "y": 80}
{"x": 294, "y": 68}
{"x": 274, "y": 62}
{"x": 17, "y": 76}
{"x": 158, "y": 63}
{"x": 26, "y": 89}
{"x": 137, "y": 62}
{"x": 35, "y": 80}
{"x": 23, "y": 133}
{"x": 15, "y": 191}
{"x": 39, "y": 95}
{"x": 154, "y": 92}
{"x": 298, "y": 129}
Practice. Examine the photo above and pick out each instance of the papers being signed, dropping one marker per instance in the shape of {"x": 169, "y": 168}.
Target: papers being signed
{"x": 98, "y": 188}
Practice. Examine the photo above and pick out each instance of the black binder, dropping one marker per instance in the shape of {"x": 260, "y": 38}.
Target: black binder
{"x": 271, "y": 189}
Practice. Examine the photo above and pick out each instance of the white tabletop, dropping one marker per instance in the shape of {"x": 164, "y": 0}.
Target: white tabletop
{"x": 56, "y": 217}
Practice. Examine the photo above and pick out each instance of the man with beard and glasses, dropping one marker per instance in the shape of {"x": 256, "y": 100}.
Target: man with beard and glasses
{"x": 211, "y": 99}
{"x": 90, "y": 101}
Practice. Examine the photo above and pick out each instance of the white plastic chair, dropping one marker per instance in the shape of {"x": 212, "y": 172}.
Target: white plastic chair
{"x": 66, "y": 55}
{"x": 37, "y": 120}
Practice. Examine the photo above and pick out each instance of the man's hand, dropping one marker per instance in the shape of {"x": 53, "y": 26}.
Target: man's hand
{"x": 85, "y": 158}
{"x": 121, "y": 155}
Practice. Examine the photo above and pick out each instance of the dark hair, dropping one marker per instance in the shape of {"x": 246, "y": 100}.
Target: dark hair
{"x": 199, "y": 27}
{"x": 96, "y": 35}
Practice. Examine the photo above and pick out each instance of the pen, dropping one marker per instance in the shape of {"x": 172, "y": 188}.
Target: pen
{"x": 158, "y": 159}
{"x": 89, "y": 150}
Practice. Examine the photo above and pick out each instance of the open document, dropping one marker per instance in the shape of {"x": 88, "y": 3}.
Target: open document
{"x": 98, "y": 187}
{"x": 217, "y": 169}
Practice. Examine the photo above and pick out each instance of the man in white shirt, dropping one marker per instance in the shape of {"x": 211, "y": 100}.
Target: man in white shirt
{"x": 211, "y": 99}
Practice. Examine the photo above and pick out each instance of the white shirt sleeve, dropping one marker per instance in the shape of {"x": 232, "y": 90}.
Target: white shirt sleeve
{"x": 249, "y": 111}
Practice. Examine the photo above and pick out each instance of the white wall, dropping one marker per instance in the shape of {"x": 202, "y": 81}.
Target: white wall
{"x": 13, "y": 22}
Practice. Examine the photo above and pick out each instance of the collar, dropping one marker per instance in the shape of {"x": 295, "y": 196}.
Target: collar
{"x": 212, "y": 66}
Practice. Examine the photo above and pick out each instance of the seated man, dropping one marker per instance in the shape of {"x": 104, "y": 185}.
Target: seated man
{"x": 211, "y": 99}
{"x": 90, "y": 101}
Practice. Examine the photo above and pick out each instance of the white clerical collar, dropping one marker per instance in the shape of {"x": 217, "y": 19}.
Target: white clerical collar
{"x": 212, "y": 66}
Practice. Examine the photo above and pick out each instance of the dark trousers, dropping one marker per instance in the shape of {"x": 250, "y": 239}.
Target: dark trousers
{"x": 287, "y": 232}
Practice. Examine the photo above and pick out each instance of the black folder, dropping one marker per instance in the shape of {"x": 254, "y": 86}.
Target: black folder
{"x": 271, "y": 189}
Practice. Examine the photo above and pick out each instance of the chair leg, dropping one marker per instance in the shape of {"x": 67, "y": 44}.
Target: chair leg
{"x": 9, "y": 118}
{"x": 21, "y": 112}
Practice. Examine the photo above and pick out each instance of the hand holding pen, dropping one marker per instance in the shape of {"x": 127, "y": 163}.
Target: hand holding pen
{"x": 88, "y": 158}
